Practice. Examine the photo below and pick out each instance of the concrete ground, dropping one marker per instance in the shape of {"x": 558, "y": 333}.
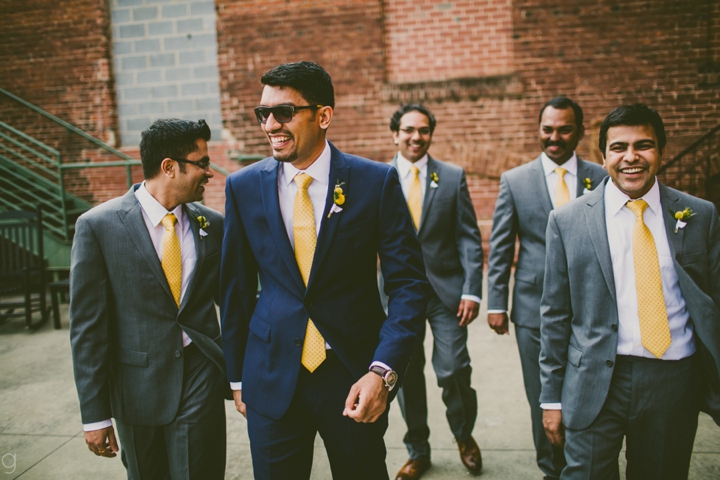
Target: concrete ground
{"x": 41, "y": 434}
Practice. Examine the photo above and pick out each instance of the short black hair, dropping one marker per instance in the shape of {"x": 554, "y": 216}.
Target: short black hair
{"x": 308, "y": 78}
{"x": 411, "y": 107}
{"x": 633, "y": 115}
{"x": 561, "y": 103}
{"x": 170, "y": 138}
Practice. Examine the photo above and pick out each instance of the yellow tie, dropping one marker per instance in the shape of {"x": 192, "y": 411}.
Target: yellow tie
{"x": 562, "y": 194}
{"x": 313, "y": 352}
{"x": 171, "y": 258}
{"x": 414, "y": 197}
{"x": 654, "y": 328}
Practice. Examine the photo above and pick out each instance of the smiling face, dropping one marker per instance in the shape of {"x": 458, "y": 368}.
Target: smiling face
{"x": 414, "y": 136}
{"x": 632, "y": 158}
{"x": 559, "y": 133}
{"x": 191, "y": 179}
{"x": 301, "y": 140}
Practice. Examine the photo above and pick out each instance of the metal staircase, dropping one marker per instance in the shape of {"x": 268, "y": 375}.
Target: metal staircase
{"x": 696, "y": 170}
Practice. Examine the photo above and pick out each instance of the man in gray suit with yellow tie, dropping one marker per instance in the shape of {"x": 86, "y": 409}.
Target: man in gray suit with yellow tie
{"x": 444, "y": 218}
{"x": 527, "y": 195}
{"x": 630, "y": 315}
{"x": 143, "y": 324}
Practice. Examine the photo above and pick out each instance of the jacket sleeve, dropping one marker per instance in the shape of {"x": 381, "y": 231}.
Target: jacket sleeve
{"x": 502, "y": 247}
{"x": 469, "y": 242}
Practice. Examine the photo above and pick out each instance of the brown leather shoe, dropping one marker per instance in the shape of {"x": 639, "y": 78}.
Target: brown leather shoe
{"x": 413, "y": 469}
{"x": 470, "y": 455}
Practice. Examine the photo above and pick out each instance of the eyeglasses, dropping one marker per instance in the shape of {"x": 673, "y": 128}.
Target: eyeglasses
{"x": 281, "y": 113}
{"x": 411, "y": 130}
{"x": 204, "y": 163}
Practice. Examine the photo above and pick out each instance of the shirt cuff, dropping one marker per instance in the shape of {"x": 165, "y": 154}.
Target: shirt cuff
{"x": 380, "y": 364}
{"x": 91, "y": 427}
{"x": 551, "y": 406}
{"x": 467, "y": 296}
{"x": 235, "y": 385}
{"x": 497, "y": 311}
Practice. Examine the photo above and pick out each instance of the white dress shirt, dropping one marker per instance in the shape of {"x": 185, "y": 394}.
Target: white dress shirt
{"x": 551, "y": 178}
{"x": 403, "y": 166}
{"x": 153, "y": 213}
{"x": 620, "y": 222}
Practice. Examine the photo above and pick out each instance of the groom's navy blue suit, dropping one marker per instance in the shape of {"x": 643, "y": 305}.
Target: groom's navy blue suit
{"x": 263, "y": 336}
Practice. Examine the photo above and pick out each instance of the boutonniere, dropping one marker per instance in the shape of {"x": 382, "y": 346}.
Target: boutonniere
{"x": 681, "y": 216}
{"x": 435, "y": 180}
{"x": 338, "y": 198}
{"x": 588, "y": 185}
{"x": 202, "y": 221}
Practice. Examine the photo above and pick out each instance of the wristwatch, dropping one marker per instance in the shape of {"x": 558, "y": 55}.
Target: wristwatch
{"x": 389, "y": 377}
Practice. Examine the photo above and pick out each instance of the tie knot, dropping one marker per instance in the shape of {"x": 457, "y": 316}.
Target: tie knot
{"x": 414, "y": 170}
{"x": 637, "y": 207}
{"x": 560, "y": 172}
{"x": 303, "y": 180}
{"x": 169, "y": 221}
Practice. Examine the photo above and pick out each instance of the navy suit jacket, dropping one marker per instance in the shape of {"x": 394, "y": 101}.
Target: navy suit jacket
{"x": 263, "y": 336}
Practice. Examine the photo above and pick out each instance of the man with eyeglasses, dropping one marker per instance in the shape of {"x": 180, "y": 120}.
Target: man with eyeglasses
{"x": 143, "y": 325}
{"x": 444, "y": 219}
{"x": 315, "y": 351}
{"x": 528, "y": 194}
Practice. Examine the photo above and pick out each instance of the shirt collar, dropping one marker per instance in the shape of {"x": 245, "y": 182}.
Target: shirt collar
{"x": 615, "y": 200}
{"x": 319, "y": 170}
{"x": 404, "y": 165}
{"x": 549, "y": 166}
{"x": 154, "y": 209}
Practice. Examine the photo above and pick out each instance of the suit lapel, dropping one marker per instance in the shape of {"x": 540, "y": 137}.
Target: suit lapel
{"x": 191, "y": 214}
{"x": 541, "y": 191}
{"x": 669, "y": 204}
{"x": 131, "y": 216}
{"x": 339, "y": 172}
{"x": 269, "y": 182}
{"x": 595, "y": 219}
{"x": 432, "y": 167}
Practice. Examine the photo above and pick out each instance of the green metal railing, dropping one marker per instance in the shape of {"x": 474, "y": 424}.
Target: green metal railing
{"x": 47, "y": 166}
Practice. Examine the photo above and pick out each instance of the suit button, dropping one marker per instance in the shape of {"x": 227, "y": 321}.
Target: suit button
{"x": 298, "y": 342}
{"x": 609, "y": 363}
{"x": 178, "y": 354}
{"x": 614, "y": 327}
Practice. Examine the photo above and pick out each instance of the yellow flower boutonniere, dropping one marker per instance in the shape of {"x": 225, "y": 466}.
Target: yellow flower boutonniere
{"x": 587, "y": 182}
{"x": 338, "y": 198}
{"x": 202, "y": 221}
{"x": 681, "y": 216}
{"x": 435, "y": 180}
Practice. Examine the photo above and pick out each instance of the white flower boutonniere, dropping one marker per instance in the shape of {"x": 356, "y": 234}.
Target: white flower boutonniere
{"x": 202, "y": 221}
{"x": 338, "y": 198}
{"x": 681, "y": 216}
{"x": 588, "y": 185}
{"x": 434, "y": 180}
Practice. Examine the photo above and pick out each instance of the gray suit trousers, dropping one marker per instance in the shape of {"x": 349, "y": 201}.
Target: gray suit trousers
{"x": 193, "y": 445}
{"x": 451, "y": 362}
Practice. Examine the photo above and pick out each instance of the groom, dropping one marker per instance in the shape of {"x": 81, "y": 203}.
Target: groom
{"x": 315, "y": 352}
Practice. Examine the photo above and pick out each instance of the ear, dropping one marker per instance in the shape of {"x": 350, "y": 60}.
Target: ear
{"x": 604, "y": 165}
{"x": 396, "y": 136}
{"x": 325, "y": 115}
{"x": 168, "y": 167}
{"x": 581, "y": 132}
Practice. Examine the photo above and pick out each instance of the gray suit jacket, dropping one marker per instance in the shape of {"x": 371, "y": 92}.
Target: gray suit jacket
{"x": 579, "y": 319}
{"x": 125, "y": 328}
{"x": 449, "y": 235}
{"x": 521, "y": 212}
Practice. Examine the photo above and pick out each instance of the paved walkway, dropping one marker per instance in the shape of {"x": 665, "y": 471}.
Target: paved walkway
{"x": 41, "y": 436}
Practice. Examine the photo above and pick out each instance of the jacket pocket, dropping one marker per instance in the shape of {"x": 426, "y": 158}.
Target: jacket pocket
{"x": 260, "y": 329}
{"x": 131, "y": 357}
{"x": 574, "y": 355}
{"x": 690, "y": 258}
{"x": 526, "y": 277}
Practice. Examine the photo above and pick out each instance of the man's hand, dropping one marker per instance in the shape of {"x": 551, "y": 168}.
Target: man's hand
{"x": 239, "y": 405}
{"x": 102, "y": 442}
{"x": 467, "y": 312}
{"x": 367, "y": 399}
{"x": 554, "y": 428}
{"x": 499, "y": 323}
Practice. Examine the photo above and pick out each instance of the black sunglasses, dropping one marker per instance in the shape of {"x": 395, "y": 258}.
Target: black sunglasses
{"x": 281, "y": 113}
{"x": 204, "y": 163}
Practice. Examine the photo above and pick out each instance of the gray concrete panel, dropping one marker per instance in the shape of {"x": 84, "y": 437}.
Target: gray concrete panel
{"x": 167, "y": 91}
{"x": 195, "y": 56}
{"x": 147, "y": 46}
{"x": 162, "y": 60}
{"x": 202, "y": 8}
{"x": 132, "y": 31}
{"x": 174, "y": 11}
{"x": 150, "y": 76}
{"x": 146, "y": 13}
{"x": 132, "y": 63}
{"x": 161, "y": 28}
{"x": 190, "y": 26}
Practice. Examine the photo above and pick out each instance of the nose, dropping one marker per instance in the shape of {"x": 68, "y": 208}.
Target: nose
{"x": 271, "y": 124}
{"x": 630, "y": 154}
{"x": 416, "y": 135}
{"x": 209, "y": 173}
{"x": 555, "y": 136}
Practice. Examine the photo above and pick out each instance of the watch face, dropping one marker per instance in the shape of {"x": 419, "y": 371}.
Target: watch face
{"x": 391, "y": 378}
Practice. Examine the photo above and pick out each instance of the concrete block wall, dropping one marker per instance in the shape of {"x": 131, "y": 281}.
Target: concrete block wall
{"x": 165, "y": 61}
